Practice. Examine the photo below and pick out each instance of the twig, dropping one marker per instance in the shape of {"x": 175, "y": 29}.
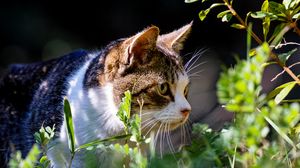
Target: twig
{"x": 291, "y": 66}
{"x": 259, "y": 41}
{"x": 280, "y": 45}
{"x": 235, "y": 14}
{"x": 295, "y": 27}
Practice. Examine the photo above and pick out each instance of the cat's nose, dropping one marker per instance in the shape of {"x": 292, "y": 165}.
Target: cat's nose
{"x": 185, "y": 112}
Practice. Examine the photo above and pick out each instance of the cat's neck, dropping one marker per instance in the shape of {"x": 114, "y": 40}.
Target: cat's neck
{"x": 93, "y": 109}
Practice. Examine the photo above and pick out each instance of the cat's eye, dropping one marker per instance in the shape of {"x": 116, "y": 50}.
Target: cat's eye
{"x": 163, "y": 88}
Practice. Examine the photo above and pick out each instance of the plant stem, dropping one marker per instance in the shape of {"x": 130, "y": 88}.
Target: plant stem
{"x": 295, "y": 27}
{"x": 235, "y": 14}
{"x": 71, "y": 160}
{"x": 259, "y": 41}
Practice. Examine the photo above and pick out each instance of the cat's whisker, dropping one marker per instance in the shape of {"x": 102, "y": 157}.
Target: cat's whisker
{"x": 181, "y": 134}
{"x": 148, "y": 123}
{"x": 154, "y": 124}
{"x": 145, "y": 114}
{"x": 195, "y": 54}
{"x": 156, "y": 136}
{"x": 188, "y": 63}
{"x": 188, "y": 131}
{"x": 169, "y": 118}
{"x": 196, "y": 66}
{"x": 146, "y": 120}
{"x": 194, "y": 76}
{"x": 199, "y": 73}
{"x": 169, "y": 140}
{"x": 189, "y": 53}
{"x": 188, "y": 126}
{"x": 151, "y": 124}
{"x": 161, "y": 139}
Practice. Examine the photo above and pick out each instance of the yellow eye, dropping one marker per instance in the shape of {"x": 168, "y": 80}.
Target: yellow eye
{"x": 163, "y": 88}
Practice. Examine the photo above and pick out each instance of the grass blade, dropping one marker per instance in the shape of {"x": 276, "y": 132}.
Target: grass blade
{"x": 70, "y": 126}
{"x": 280, "y": 132}
{"x": 100, "y": 141}
{"x": 284, "y": 92}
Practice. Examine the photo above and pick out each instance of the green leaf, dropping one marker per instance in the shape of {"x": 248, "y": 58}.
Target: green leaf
{"x": 277, "y": 90}
{"x": 238, "y": 26}
{"x": 32, "y": 157}
{"x": 277, "y": 30}
{"x": 266, "y": 26}
{"x": 265, "y": 6}
{"x": 284, "y": 92}
{"x": 258, "y": 15}
{"x": 203, "y": 13}
{"x": 70, "y": 126}
{"x": 296, "y": 16}
{"x": 226, "y": 17}
{"x": 263, "y": 50}
{"x": 266, "y": 21}
{"x": 285, "y": 56}
{"x": 191, "y": 1}
{"x": 286, "y": 3}
{"x": 48, "y": 129}
{"x": 37, "y": 138}
{"x": 221, "y": 14}
{"x": 247, "y": 16}
{"x": 43, "y": 159}
{"x": 101, "y": 141}
{"x": 276, "y": 8}
{"x": 268, "y": 63}
{"x": 124, "y": 110}
{"x": 261, "y": 15}
{"x": 279, "y": 36}
{"x": 294, "y": 4}
{"x": 280, "y": 132}
{"x": 252, "y": 52}
{"x": 216, "y": 5}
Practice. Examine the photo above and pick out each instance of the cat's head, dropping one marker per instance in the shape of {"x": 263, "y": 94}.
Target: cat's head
{"x": 150, "y": 66}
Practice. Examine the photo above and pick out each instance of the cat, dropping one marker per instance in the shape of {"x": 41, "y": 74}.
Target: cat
{"x": 147, "y": 64}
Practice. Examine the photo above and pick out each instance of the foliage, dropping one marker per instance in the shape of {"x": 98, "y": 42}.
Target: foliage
{"x": 16, "y": 160}
{"x": 265, "y": 131}
{"x": 42, "y": 138}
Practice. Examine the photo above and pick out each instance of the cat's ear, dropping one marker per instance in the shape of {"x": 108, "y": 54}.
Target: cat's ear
{"x": 176, "y": 39}
{"x": 141, "y": 44}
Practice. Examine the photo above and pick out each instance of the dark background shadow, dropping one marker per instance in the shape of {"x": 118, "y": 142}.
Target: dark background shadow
{"x": 34, "y": 31}
{"x": 41, "y": 30}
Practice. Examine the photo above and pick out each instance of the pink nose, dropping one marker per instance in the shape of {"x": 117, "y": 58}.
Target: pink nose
{"x": 185, "y": 112}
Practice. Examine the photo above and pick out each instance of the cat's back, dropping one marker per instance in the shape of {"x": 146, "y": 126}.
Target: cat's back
{"x": 22, "y": 84}
{"x": 19, "y": 82}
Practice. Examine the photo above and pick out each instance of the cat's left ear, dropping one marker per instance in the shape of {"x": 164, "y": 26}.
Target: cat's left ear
{"x": 141, "y": 44}
{"x": 176, "y": 39}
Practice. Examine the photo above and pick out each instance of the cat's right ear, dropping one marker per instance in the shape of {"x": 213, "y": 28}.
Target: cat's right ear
{"x": 140, "y": 46}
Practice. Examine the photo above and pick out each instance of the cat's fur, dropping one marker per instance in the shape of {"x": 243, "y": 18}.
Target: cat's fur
{"x": 94, "y": 82}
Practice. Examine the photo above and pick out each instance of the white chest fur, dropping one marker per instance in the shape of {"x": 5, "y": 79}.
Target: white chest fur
{"x": 94, "y": 117}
